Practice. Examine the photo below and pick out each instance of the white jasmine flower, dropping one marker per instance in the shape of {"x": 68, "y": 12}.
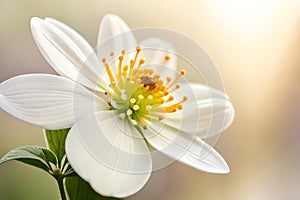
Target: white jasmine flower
{"x": 141, "y": 101}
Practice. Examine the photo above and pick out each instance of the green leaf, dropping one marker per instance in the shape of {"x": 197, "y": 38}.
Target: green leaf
{"x": 32, "y": 155}
{"x": 56, "y": 142}
{"x": 78, "y": 189}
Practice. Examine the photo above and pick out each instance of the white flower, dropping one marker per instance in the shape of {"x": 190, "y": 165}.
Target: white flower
{"x": 115, "y": 119}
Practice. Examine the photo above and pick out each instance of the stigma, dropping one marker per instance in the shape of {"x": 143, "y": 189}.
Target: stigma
{"x": 138, "y": 93}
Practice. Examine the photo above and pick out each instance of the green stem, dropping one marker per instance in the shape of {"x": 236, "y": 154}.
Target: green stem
{"x": 61, "y": 188}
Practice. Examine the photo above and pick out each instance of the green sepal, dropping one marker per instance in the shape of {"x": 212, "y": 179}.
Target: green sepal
{"x": 32, "y": 155}
{"x": 56, "y": 142}
{"x": 78, "y": 189}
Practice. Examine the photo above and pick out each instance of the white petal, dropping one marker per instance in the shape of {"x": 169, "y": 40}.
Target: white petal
{"x": 108, "y": 154}
{"x": 114, "y": 35}
{"x": 186, "y": 148}
{"x": 67, "y": 52}
{"x": 202, "y": 91}
{"x": 207, "y": 112}
{"x": 155, "y": 50}
{"x": 48, "y": 101}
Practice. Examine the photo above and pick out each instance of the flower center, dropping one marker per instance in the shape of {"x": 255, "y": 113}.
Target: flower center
{"x": 139, "y": 94}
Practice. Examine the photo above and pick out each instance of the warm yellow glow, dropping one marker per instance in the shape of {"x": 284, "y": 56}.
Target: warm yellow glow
{"x": 247, "y": 13}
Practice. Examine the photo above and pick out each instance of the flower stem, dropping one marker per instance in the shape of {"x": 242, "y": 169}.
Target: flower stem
{"x": 61, "y": 187}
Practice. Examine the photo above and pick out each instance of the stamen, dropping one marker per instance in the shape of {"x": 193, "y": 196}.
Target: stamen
{"x": 150, "y": 71}
{"x": 166, "y": 92}
{"x": 150, "y": 97}
{"x": 131, "y": 65}
{"x": 112, "y": 53}
{"x": 168, "y": 79}
{"x": 136, "y": 107}
{"x": 148, "y": 107}
{"x": 125, "y": 70}
{"x": 171, "y": 98}
{"x": 176, "y": 87}
{"x": 120, "y": 65}
{"x": 142, "y": 61}
{"x": 180, "y": 107}
{"x": 175, "y": 106}
{"x": 182, "y": 72}
{"x": 141, "y": 96}
{"x": 160, "y": 117}
{"x": 132, "y": 100}
{"x": 129, "y": 112}
{"x": 156, "y": 76}
{"x": 167, "y": 57}
{"x": 138, "y": 50}
{"x": 108, "y": 71}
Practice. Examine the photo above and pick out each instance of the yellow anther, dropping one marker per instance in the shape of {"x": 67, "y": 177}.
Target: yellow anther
{"x": 168, "y": 79}
{"x": 112, "y": 53}
{"x": 156, "y": 76}
{"x": 170, "y": 109}
{"x": 182, "y": 72}
{"x": 159, "y": 82}
{"x": 167, "y": 57}
{"x": 184, "y": 98}
{"x": 166, "y": 92}
{"x": 162, "y": 88}
{"x": 171, "y": 98}
{"x": 123, "y": 52}
{"x": 142, "y": 61}
{"x": 160, "y": 117}
{"x": 150, "y": 71}
{"x": 161, "y": 101}
{"x": 159, "y": 94}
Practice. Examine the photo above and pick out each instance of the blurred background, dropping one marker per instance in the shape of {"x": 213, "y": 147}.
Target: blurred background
{"x": 255, "y": 45}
